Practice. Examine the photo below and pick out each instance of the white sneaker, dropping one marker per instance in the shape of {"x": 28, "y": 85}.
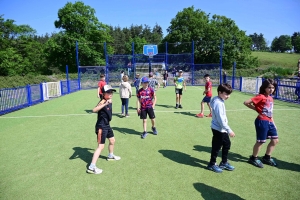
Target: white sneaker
{"x": 113, "y": 157}
{"x": 96, "y": 170}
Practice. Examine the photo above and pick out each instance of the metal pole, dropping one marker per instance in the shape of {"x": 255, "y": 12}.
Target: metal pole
{"x": 221, "y": 58}
{"x": 233, "y": 74}
{"x": 67, "y": 77}
{"x": 193, "y": 62}
{"x": 77, "y": 63}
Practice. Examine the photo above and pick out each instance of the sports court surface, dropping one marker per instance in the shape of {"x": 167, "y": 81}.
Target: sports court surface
{"x": 46, "y": 148}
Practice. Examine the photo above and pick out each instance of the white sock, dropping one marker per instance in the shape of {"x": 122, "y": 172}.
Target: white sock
{"x": 110, "y": 155}
{"x": 92, "y": 166}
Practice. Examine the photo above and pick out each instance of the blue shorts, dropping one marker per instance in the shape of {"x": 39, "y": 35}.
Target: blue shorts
{"x": 265, "y": 130}
{"x": 206, "y": 99}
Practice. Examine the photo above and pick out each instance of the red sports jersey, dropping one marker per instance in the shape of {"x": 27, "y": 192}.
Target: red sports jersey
{"x": 145, "y": 97}
{"x": 101, "y": 85}
{"x": 264, "y": 106}
{"x": 208, "y": 85}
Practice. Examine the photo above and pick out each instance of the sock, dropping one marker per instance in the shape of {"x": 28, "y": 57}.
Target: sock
{"x": 253, "y": 158}
{"x": 92, "y": 166}
{"x": 267, "y": 156}
{"x": 110, "y": 155}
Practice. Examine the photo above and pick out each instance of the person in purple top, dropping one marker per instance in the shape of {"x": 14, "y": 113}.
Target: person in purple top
{"x": 146, "y": 100}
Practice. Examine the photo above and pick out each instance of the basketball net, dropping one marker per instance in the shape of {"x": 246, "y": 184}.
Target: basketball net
{"x": 150, "y": 54}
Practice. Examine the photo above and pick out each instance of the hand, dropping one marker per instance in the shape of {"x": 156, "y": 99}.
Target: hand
{"x": 231, "y": 134}
{"x": 138, "y": 111}
{"x": 109, "y": 101}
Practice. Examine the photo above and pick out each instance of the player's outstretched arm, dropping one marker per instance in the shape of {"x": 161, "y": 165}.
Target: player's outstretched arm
{"x": 101, "y": 104}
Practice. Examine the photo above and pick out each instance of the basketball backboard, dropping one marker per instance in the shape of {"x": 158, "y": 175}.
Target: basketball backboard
{"x": 150, "y": 50}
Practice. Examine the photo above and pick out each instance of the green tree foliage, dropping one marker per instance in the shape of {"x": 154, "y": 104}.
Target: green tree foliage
{"x": 78, "y": 23}
{"x": 206, "y": 32}
{"x": 20, "y": 52}
{"x": 281, "y": 44}
{"x": 138, "y": 34}
{"x": 258, "y": 42}
{"x": 296, "y": 42}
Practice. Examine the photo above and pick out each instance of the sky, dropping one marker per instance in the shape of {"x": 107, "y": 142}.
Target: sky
{"x": 272, "y": 18}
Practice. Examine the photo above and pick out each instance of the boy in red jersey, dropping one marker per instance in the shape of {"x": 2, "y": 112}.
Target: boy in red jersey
{"x": 206, "y": 99}
{"x": 264, "y": 124}
{"x": 101, "y": 83}
{"x": 146, "y": 100}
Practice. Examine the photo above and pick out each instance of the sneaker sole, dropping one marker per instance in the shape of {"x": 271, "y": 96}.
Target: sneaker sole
{"x": 92, "y": 172}
{"x": 269, "y": 163}
{"x": 254, "y": 164}
{"x": 111, "y": 159}
{"x": 227, "y": 168}
{"x": 211, "y": 169}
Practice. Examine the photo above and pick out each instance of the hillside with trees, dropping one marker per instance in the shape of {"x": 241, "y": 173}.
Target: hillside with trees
{"x": 23, "y": 52}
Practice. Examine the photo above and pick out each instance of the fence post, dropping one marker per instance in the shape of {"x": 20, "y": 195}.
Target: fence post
{"x": 42, "y": 92}
{"x": 29, "y": 95}
{"x": 78, "y": 67}
{"x": 221, "y": 58}
{"x": 241, "y": 83}
{"x": 233, "y": 74}
{"x": 67, "y": 77}
{"x": 277, "y": 91}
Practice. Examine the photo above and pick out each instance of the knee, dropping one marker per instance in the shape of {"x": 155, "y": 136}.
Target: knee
{"x": 112, "y": 140}
{"x": 275, "y": 141}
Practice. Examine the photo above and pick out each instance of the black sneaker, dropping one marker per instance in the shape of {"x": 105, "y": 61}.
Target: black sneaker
{"x": 154, "y": 131}
{"x": 270, "y": 161}
{"x": 256, "y": 162}
{"x": 176, "y": 106}
{"x": 179, "y": 106}
{"x": 144, "y": 135}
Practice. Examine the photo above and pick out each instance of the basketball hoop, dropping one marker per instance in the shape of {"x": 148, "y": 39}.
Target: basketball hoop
{"x": 150, "y": 54}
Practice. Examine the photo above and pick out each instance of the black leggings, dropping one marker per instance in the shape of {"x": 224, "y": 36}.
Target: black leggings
{"x": 219, "y": 140}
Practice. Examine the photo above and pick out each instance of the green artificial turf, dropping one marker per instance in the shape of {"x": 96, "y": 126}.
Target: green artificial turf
{"x": 46, "y": 148}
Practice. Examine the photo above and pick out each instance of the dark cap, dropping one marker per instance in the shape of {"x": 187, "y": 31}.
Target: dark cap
{"x": 144, "y": 80}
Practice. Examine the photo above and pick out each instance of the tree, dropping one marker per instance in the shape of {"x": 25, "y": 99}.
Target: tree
{"x": 78, "y": 23}
{"x": 206, "y": 32}
{"x": 20, "y": 52}
{"x": 295, "y": 44}
{"x": 281, "y": 44}
{"x": 258, "y": 42}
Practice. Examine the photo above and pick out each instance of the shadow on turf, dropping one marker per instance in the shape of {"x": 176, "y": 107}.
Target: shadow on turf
{"x": 88, "y": 111}
{"x": 231, "y": 156}
{"x": 185, "y": 113}
{"x": 183, "y": 158}
{"x": 84, "y": 154}
{"x": 126, "y": 130}
{"x": 287, "y": 166}
{"x": 239, "y": 158}
{"x": 208, "y": 192}
{"x": 164, "y": 106}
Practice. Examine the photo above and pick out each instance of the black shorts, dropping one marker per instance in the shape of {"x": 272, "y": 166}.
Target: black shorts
{"x": 148, "y": 111}
{"x": 103, "y": 133}
{"x": 178, "y": 91}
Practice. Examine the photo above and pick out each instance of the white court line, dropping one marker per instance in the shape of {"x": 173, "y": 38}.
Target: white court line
{"x": 156, "y": 111}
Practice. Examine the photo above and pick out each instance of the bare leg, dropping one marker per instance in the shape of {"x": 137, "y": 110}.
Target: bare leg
{"x": 202, "y": 107}
{"x": 256, "y": 148}
{"x": 180, "y": 99}
{"x": 177, "y": 98}
{"x": 97, "y": 153}
{"x": 153, "y": 122}
{"x": 111, "y": 145}
{"x": 145, "y": 124}
{"x": 271, "y": 146}
{"x": 208, "y": 104}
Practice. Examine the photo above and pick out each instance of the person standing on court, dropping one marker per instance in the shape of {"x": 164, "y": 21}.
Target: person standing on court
{"x": 179, "y": 85}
